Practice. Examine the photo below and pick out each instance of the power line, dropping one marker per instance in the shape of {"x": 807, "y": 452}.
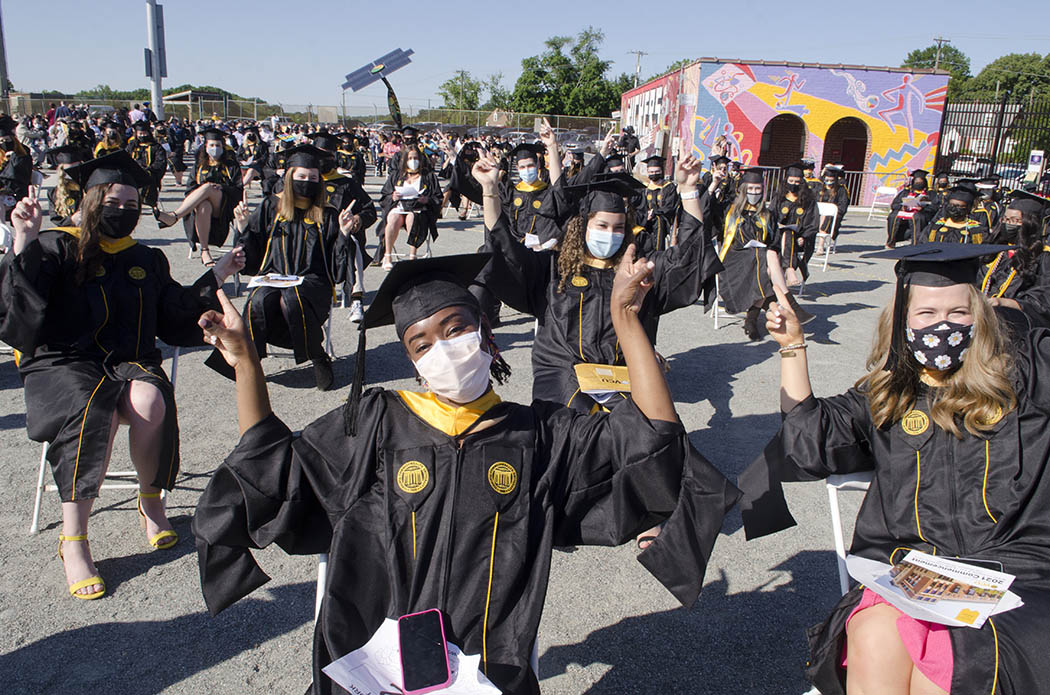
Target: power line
{"x": 939, "y": 40}
{"x": 637, "y": 64}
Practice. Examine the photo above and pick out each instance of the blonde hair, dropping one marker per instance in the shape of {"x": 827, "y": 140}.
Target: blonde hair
{"x": 64, "y": 191}
{"x": 286, "y": 207}
{"x": 979, "y": 392}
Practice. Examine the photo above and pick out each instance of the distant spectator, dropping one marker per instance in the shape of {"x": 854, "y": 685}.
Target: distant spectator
{"x": 136, "y": 114}
{"x": 62, "y": 111}
{"x": 50, "y": 115}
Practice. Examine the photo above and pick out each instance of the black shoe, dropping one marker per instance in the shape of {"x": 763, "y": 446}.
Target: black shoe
{"x": 323, "y": 373}
{"x": 751, "y": 323}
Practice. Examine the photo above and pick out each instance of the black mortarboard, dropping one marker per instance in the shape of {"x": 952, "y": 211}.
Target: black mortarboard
{"x": 605, "y": 193}
{"x": 118, "y": 167}
{"x": 141, "y": 124}
{"x": 834, "y": 170}
{"x": 921, "y": 173}
{"x": 805, "y": 164}
{"x": 7, "y": 124}
{"x": 1028, "y": 203}
{"x": 752, "y": 175}
{"x": 654, "y": 161}
{"x": 933, "y": 264}
{"x": 988, "y": 182}
{"x": 325, "y": 140}
{"x": 308, "y": 156}
{"x": 614, "y": 159}
{"x": 719, "y": 159}
{"x": 409, "y": 130}
{"x": 796, "y": 169}
{"x": 412, "y": 291}
{"x": 68, "y": 154}
{"x": 214, "y": 134}
{"x": 527, "y": 151}
{"x": 962, "y": 191}
{"x": 112, "y": 125}
{"x": 579, "y": 152}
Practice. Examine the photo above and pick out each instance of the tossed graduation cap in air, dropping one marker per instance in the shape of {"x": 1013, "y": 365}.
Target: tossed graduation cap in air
{"x": 412, "y": 291}
{"x": 68, "y": 154}
{"x": 308, "y": 156}
{"x": 117, "y": 167}
{"x": 1028, "y": 203}
{"x": 606, "y": 193}
{"x": 933, "y": 264}
{"x": 378, "y": 70}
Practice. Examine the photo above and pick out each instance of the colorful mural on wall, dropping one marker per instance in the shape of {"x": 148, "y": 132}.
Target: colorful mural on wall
{"x": 901, "y": 113}
{"x": 652, "y": 109}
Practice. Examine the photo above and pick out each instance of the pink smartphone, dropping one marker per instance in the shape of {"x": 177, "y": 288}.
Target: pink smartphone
{"x": 424, "y": 652}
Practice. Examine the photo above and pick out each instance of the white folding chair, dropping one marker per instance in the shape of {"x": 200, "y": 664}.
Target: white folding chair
{"x": 322, "y": 580}
{"x": 828, "y": 211}
{"x": 884, "y": 196}
{"x": 836, "y": 483}
{"x": 122, "y": 480}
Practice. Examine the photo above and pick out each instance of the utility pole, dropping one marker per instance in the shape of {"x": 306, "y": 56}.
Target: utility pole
{"x": 4, "y": 91}
{"x": 637, "y": 64}
{"x": 156, "y": 60}
{"x": 937, "y": 61}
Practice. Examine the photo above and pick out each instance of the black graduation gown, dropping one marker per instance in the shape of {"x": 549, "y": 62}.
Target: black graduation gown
{"x": 986, "y": 213}
{"x": 575, "y": 325}
{"x": 942, "y": 229}
{"x": 536, "y": 208}
{"x": 228, "y": 175}
{"x": 255, "y": 154}
{"x": 315, "y": 251}
{"x": 81, "y": 345}
{"x": 427, "y": 207}
{"x": 839, "y": 195}
{"x": 16, "y": 175}
{"x": 354, "y": 162}
{"x": 343, "y": 192}
{"x": 1000, "y": 278}
{"x": 909, "y": 230}
{"x": 797, "y": 246}
{"x": 414, "y": 519}
{"x": 744, "y": 281}
{"x": 151, "y": 157}
{"x": 660, "y": 208}
{"x": 976, "y": 497}
{"x": 718, "y": 202}
{"x": 274, "y": 161}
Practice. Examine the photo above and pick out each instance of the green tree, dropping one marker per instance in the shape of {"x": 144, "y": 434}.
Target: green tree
{"x": 1023, "y": 75}
{"x": 952, "y": 59}
{"x": 461, "y": 91}
{"x": 568, "y": 77}
{"x": 499, "y": 96}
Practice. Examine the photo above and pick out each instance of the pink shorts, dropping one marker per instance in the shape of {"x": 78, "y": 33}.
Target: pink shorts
{"x": 928, "y": 644}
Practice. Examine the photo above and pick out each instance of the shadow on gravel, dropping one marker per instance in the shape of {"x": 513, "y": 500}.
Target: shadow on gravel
{"x": 134, "y": 658}
{"x": 752, "y": 642}
{"x": 14, "y": 421}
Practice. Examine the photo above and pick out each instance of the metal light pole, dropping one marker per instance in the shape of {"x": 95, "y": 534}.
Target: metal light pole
{"x": 4, "y": 91}
{"x": 156, "y": 61}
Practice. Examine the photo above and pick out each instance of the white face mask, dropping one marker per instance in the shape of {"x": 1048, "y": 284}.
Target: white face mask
{"x": 602, "y": 243}
{"x": 528, "y": 174}
{"x": 456, "y": 369}
{"x": 215, "y": 151}
{"x": 754, "y": 198}
{"x": 412, "y": 164}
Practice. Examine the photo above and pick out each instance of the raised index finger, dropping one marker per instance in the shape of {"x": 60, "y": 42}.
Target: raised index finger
{"x": 224, "y": 301}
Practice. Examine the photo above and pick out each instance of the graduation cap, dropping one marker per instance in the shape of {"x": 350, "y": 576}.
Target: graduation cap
{"x": 411, "y": 292}
{"x": 141, "y": 124}
{"x": 606, "y": 193}
{"x": 921, "y": 173}
{"x": 615, "y": 159}
{"x": 988, "y": 182}
{"x": 964, "y": 191}
{"x": 752, "y": 175}
{"x": 579, "y": 151}
{"x": 1028, "y": 203}
{"x": 118, "y": 167}
{"x": 68, "y": 154}
{"x": 720, "y": 159}
{"x": 308, "y": 156}
{"x": 527, "y": 151}
{"x": 410, "y": 131}
{"x": 796, "y": 169}
{"x": 7, "y": 124}
{"x": 933, "y": 264}
{"x": 654, "y": 161}
{"x": 804, "y": 165}
{"x": 325, "y": 140}
{"x": 834, "y": 170}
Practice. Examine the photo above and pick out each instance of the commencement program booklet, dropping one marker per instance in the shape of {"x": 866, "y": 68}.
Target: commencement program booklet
{"x": 275, "y": 280}
{"x": 938, "y": 589}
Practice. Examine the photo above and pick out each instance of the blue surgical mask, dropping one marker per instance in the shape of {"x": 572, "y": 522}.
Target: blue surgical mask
{"x": 528, "y": 174}
{"x": 602, "y": 243}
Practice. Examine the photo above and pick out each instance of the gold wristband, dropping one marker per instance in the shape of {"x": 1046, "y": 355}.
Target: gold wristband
{"x": 789, "y": 350}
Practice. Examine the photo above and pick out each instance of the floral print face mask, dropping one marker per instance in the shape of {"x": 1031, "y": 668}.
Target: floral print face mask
{"x": 940, "y": 346}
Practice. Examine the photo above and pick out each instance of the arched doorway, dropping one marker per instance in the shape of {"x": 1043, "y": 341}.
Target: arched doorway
{"x": 783, "y": 141}
{"x": 847, "y": 143}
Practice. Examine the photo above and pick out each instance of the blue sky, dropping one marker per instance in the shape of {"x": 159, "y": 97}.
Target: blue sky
{"x": 300, "y": 55}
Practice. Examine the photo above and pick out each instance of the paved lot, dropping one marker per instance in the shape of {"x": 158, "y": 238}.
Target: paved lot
{"x": 608, "y": 626}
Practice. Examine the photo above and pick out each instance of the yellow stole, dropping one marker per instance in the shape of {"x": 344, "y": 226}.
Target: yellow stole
{"x": 450, "y": 419}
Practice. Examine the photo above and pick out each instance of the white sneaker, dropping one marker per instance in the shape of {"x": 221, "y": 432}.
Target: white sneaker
{"x": 355, "y": 312}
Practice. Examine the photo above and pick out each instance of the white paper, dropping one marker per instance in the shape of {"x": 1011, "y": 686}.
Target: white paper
{"x": 376, "y": 667}
{"x": 876, "y": 576}
{"x": 755, "y": 244}
{"x": 532, "y": 241}
{"x": 408, "y": 191}
{"x": 275, "y": 280}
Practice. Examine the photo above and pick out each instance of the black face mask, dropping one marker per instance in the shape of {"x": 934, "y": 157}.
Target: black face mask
{"x": 1008, "y": 232}
{"x": 118, "y": 223}
{"x": 655, "y": 177}
{"x": 955, "y": 212}
{"x": 794, "y": 187}
{"x": 306, "y": 189}
{"x": 919, "y": 185}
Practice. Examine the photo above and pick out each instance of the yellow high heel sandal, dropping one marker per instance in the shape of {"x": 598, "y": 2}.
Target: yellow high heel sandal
{"x": 164, "y": 539}
{"x": 90, "y": 581}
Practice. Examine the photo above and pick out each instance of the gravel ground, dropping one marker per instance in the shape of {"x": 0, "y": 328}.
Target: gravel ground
{"x": 608, "y": 626}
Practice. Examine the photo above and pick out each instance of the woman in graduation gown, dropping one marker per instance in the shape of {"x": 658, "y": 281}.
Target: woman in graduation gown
{"x": 16, "y": 165}
{"x": 909, "y": 228}
{"x": 419, "y": 214}
{"x": 568, "y": 289}
{"x": 216, "y": 189}
{"x": 661, "y": 207}
{"x": 953, "y": 223}
{"x": 295, "y": 232}
{"x": 953, "y": 419}
{"x": 111, "y": 141}
{"x": 833, "y": 191}
{"x": 449, "y": 499}
{"x": 64, "y": 199}
{"x": 797, "y": 218}
{"x": 145, "y": 150}
{"x": 252, "y": 155}
{"x": 1020, "y": 278}
{"x": 84, "y": 307}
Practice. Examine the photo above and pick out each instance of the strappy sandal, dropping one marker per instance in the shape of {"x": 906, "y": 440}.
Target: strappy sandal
{"x": 90, "y": 581}
{"x": 161, "y": 224}
{"x": 164, "y": 539}
{"x": 210, "y": 263}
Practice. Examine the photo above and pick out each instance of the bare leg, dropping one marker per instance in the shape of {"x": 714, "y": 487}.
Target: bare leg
{"x": 409, "y": 220}
{"x": 142, "y": 408}
{"x": 877, "y": 661}
{"x": 76, "y": 555}
{"x": 202, "y": 219}
{"x": 393, "y": 226}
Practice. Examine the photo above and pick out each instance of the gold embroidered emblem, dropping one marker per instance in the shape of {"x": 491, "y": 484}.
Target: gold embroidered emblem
{"x": 517, "y": 202}
{"x": 800, "y": 211}
{"x": 330, "y": 189}
{"x": 136, "y": 273}
{"x": 412, "y": 477}
{"x": 100, "y": 272}
{"x": 915, "y": 422}
{"x": 649, "y": 197}
{"x": 536, "y": 204}
{"x": 996, "y": 417}
{"x": 785, "y": 210}
{"x": 71, "y": 203}
{"x": 579, "y": 281}
{"x": 503, "y": 478}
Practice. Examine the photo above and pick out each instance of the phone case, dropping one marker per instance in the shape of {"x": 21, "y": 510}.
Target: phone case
{"x": 444, "y": 641}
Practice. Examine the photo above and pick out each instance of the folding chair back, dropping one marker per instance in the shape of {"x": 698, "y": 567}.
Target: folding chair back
{"x": 836, "y": 483}
{"x": 828, "y": 211}
{"x": 884, "y": 196}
